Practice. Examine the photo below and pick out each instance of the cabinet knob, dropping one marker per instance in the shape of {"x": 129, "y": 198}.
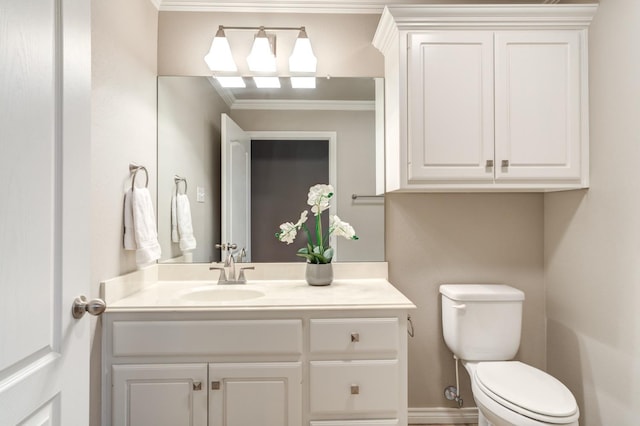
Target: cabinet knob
{"x": 355, "y": 337}
{"x": 489, "y": 163}
{"x": 505, "y": 163}
{"x": 215, "y": 385}
{"x": 355, "y": 390}
{"x": 197, "y": 386}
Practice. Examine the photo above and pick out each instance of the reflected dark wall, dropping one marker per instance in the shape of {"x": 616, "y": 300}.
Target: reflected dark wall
{"x": 281, "y": 173}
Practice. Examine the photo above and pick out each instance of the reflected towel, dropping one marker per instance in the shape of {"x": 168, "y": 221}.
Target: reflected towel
{"x": 175, "y": 238}
{"x": 140, "y": 221}
{"x": 185, "y": 226}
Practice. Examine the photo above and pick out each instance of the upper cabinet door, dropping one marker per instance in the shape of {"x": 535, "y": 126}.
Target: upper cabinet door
{"x": 538, "y": 105}
{"x": 450, "y": 98}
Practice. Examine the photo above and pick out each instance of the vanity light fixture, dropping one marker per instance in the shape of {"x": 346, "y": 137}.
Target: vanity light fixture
{"x": 219, "y": 57}
{"x": 302, "y": 58}
{"x": 262, "y": 58}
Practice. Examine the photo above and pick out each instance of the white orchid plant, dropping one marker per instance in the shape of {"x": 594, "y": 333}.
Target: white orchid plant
{"x": 319, "y": 251}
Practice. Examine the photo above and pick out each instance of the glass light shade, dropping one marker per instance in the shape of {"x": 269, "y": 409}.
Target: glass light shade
{"x": 261, "y": 58}
{"x": 231, "y": 81}
{"x": 302, "y": 58}
{"x": 267, "y": 82}
{"x": 303, "y": 82}
{"x": 219, "y": 57}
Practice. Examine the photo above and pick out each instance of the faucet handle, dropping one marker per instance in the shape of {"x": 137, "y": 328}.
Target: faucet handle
{"x": 223, "y": 274}
{"x": 241, "y": 278}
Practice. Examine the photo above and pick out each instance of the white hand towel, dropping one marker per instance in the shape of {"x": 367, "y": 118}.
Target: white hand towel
{"x": 144, "y": 224}
{"x": 129, "y": 232}
{"x": 175, "y": 238}
{"x": 185, "y": 226}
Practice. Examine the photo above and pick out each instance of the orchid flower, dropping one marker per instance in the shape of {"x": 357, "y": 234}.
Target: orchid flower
{"x": 319, "y": 199}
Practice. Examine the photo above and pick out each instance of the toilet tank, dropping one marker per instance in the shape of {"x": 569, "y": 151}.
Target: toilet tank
{"x": 482, "y": 322}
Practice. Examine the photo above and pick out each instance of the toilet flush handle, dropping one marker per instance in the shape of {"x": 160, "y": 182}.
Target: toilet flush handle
{"x": 460, "y": 307}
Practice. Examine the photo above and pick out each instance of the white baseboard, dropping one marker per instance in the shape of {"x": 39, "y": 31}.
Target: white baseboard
{"x": 441, "y": 415}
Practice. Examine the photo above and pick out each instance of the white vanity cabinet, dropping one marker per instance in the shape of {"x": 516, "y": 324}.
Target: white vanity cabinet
{"x": 336, "y": 367}
{"x": 181, "y": 370}
{"x": 487, "y": 98}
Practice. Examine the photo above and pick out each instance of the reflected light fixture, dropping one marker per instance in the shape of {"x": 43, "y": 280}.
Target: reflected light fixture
{"x": 262, "y": 58}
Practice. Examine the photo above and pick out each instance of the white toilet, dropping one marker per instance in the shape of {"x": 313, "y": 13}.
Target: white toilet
{"x": 481, "y": 326}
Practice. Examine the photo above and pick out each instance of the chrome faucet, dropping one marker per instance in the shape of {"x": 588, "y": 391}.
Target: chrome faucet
{"x": 228, "y": 276}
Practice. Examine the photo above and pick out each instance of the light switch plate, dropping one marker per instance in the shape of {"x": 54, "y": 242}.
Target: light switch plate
{"x": 200, "y": 194}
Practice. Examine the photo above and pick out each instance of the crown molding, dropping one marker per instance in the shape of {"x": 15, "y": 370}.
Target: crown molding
{"x": 407, "y": 17}
{"x": 269, "y": 6}
{"x": 306, "y": 105}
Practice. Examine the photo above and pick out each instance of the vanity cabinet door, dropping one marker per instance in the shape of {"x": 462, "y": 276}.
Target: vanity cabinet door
{"x": 265, "y": 394}
{"x": 159, "y": 395}
{"x": 450, "y": 98}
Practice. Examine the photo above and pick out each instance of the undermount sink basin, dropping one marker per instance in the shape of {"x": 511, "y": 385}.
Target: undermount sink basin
{"x": 220, "y": 294}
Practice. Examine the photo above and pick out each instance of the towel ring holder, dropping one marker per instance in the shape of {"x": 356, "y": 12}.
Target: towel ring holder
{"x": 177, "y": 179}
{"x": 134, "y": 168}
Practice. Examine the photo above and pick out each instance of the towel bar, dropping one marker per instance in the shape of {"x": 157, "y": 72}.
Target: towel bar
{"x": 134, "y": 169}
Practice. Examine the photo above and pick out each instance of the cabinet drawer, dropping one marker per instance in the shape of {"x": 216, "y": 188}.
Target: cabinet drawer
{"x": 357, "y": 336}
{"x": 174, "y": 338}
{"x": 338, "y": 387}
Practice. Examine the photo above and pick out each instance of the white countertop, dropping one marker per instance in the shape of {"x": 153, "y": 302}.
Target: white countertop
{"x": 277, "y": 295}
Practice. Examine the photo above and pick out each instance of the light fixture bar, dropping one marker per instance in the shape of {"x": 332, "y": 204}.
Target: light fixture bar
{"x": 262, "y": 28}
{"x": 262, "y": 58}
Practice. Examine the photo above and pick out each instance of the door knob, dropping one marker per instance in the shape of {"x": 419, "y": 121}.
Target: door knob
{"x": 81, "y": 306}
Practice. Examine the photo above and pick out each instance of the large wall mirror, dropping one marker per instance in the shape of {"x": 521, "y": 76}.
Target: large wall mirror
{"x": 296, "y": 137}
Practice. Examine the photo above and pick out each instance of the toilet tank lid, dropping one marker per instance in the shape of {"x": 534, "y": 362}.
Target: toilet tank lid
{"x": 481, "y": 292}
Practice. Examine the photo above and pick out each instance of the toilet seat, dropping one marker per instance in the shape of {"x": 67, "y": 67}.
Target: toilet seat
{"x": 527, "y": 391}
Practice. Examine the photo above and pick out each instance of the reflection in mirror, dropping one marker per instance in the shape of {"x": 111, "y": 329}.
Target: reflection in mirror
{"x": 341, "y": 110}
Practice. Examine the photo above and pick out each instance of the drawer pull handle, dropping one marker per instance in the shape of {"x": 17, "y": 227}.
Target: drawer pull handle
{"x": 215, "y": 385}
{"x": 197, "y": 386}
{"x": 355, "y": 390}
{"x": 355, "y": 337}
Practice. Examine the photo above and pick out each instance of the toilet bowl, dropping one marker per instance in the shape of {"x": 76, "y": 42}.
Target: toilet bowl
{"x": 510, "y": 393}
{"x": 482, "y": 327}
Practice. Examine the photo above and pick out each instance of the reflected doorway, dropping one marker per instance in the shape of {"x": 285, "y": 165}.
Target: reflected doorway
{"x": 282, "y": 170}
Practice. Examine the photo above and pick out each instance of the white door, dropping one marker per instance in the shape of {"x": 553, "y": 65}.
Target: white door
{"x": 45, "y": 84}
{"x": 235, "y": 186}
{"x": 538, "y": 108}
{"x": 450, "y": 97}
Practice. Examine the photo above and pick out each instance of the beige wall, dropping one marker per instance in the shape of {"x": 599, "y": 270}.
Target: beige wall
{"x": 123, "y": 110}
{"x": 592, "y": 238}
{"x": 434, "y": 239}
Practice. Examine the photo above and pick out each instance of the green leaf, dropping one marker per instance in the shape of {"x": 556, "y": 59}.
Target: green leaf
{"x": 328, "y": 253}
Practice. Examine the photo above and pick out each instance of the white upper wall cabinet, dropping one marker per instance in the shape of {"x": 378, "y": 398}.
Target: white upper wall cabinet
{"x": 486, "y": 98}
